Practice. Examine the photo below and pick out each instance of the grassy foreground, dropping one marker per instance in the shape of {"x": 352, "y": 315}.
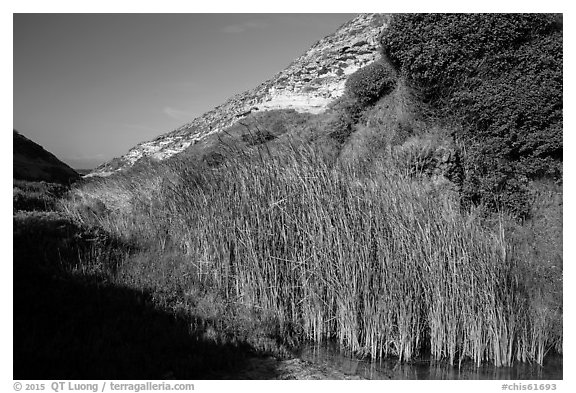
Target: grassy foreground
{"x": 87, "y": 307}
{"x": 303, "y": 249}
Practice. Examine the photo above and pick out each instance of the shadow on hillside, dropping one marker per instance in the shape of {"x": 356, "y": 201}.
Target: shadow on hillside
{"x": 70, "y": 325}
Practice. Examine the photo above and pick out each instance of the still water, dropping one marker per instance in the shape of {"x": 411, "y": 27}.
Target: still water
{"x": 329, "y": 356}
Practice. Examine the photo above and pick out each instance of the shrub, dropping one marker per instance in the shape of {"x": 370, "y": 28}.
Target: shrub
{"x": 214, "y": 159}
{"x": 346, "y": 112}
{"x": 500, "y": 75}
{"x": 41, "y": 196}
{"x": 258, "y": 137}
{"x": 363, "y": 89}
{"x": 428, "y": 155}
{"x": 370, "y": 83}
{"x": 440, "y": 51}
{"x": 341, "y": 126}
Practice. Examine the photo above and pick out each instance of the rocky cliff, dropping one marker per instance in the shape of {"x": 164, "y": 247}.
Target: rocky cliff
{"x": 308, "y": 84}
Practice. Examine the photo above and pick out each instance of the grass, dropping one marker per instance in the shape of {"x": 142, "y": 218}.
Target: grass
{"x": 90, "y": 305}
{"x": 40, "y": 196}
{"x": 325, "y": 252}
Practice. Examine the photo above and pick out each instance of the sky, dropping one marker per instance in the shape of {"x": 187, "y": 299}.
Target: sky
{"x": 88, "y": 87}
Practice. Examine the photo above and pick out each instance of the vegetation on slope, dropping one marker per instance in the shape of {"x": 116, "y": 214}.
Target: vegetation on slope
{"x": 350, "y": 225}
{"x": 32, "y": 163}
{"x": 39, "y": 196}
{"x": 500, "y": 76}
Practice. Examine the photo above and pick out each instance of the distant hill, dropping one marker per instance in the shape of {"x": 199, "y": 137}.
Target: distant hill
{"x": 32, "y": 162}
{"x": 83, "y": 171}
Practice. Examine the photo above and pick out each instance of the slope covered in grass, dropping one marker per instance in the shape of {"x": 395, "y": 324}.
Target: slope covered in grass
{"x": 31, "y": 162}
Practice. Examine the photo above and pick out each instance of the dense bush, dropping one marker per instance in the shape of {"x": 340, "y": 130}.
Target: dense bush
{"x": 345, "y": 113}
{"x": 39, "y": 196}
{"x": 370, "y": 83}
{"x": 500, "y": 75}
{"x": 258, "y": 137}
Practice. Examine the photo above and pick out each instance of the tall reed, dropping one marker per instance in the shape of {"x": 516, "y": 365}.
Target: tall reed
{"x": 376, "y": 263}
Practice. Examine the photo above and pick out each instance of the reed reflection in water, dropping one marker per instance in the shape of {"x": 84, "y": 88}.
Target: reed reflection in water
{"x": 331, "y": 356}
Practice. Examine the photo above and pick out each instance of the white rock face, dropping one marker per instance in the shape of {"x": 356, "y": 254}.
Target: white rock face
{"x": 308, "y": 84}
{"x": 298, "y": 102}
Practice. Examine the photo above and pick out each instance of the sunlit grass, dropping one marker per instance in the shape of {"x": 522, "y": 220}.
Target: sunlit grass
{"x": 380, "y": 265}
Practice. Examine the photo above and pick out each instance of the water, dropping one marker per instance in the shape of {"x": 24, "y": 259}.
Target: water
{"x": 329, "y": 356}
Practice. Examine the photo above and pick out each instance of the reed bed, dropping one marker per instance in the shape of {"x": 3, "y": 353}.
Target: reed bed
{"x": 379, "y": 265}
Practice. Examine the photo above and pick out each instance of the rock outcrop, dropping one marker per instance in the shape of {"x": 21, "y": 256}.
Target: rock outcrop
{"x": 308, "y": 84}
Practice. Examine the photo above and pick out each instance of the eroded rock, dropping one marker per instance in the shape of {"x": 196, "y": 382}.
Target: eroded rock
{"x": 308, "y": 84}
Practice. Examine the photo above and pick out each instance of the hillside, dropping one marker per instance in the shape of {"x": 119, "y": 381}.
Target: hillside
{"x": 408, "y": 207}
{"x": 32, "y": 162}
{"x": 497, "y": 94}
{"x": 308, "y": 84}
{"x": 496, "y": 80}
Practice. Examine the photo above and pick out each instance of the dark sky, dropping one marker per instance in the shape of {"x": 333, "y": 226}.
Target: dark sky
{"x": 88, "y": 87}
